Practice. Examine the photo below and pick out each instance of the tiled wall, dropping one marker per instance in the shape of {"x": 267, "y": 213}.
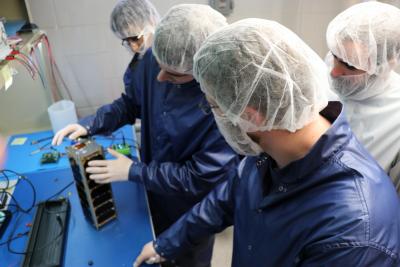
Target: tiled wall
{"x": 92, "y": 61}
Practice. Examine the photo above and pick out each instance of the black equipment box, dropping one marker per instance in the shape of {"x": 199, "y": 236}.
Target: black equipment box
{"x": 48, "y": 233}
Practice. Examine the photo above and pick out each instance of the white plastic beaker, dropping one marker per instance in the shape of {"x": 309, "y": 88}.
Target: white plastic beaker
{"x": 61, "y": 114}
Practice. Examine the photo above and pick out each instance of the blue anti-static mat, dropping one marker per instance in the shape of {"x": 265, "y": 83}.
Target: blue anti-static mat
{"x": 20, "y": 159}
{"x": 117, "y": 244}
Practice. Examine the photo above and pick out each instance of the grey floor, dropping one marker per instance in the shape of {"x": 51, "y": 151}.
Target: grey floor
{"x": 222, "y": 254}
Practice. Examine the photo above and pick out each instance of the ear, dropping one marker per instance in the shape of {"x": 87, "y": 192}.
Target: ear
{"x": 251, "y": 114}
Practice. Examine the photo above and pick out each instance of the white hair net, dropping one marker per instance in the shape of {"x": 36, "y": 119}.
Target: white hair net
{"x": 135, "y": 18}
{"x": 367, "y": 37}
{"x": 181, "y": 32}
{"x": 261, "y": 65}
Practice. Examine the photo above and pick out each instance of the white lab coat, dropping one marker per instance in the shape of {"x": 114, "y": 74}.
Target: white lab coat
{"x": 376, "y": 123}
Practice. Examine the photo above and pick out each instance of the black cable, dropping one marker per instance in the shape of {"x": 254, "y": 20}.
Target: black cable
{"x": 14, "y": 238}
{"x": 17, "y": 205}
{"x": 34, "y": 192}
{"x": 19, "y": 208}
{"x": 60, "y": 191}
{"x": 11, "y": 236}
{"x": 20, "y": 177}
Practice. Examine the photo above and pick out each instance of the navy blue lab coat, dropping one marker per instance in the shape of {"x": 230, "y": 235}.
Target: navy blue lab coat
{"x": 333, "y": 207}
{"x": 183, "y": 155}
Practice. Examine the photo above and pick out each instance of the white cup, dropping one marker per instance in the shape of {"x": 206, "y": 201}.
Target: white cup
{"x": 61, "y": 114}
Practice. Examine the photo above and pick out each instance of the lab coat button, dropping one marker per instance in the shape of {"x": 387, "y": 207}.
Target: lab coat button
{"x": 282, "y": 188}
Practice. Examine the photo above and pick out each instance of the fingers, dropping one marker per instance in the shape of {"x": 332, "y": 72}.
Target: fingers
{"x": 95, "y": 170}
{"x": 79, "y": 130}
{"x": 100, "y": 176}
{"x": 75, "y": 135}
{"x": 151, "y": 260}
{"x": 140, "y": 259}
{"x": 98, "y": 163}
{"x": 76, "y": 130}
{"x": 104, "y": 181}
{"x": 148, "y": 254}
{"x": 99, "y": 171}
{"x": 58, "y": 137}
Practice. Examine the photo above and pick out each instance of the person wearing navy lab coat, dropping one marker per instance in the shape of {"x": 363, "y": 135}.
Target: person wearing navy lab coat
{"x": 183, "y": 154}
{"x": 307, "y": 193}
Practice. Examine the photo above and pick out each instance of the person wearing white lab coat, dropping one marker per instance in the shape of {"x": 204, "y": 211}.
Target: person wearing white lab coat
{"x": 364, "y": 44}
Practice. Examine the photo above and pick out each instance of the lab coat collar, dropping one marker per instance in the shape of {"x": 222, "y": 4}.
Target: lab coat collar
{"x": 193, "y": 83}
{"x": 330, "y": 143}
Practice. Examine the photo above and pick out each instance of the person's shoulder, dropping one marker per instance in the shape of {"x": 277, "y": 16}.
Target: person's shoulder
{"x": 380, "y": 204}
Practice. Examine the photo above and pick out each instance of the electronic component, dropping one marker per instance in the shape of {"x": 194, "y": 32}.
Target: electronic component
{"x": 96, "y": 199}
{"x": 50, "y": 157}
{"x": 47, "y": 236}
{"x": 124, "y": 149}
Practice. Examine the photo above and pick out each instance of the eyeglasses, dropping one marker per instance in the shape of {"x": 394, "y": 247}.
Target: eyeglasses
{"x": 206, "y": 107}
{"x": 127, "y": 41}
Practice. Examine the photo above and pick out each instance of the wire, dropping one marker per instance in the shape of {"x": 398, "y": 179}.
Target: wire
{"x": 60, "y": 191}
{"x": 26, "y": 65}
{"x": 54, "y": 68}
{"x": 43, "y": 147}
{"x": 19, "y": 235}
{"x": 113, "y": 137}
{"x": 36, "y": 68}
{"x": 60, "y": 222}
{"x": 34, "y": 142}
{"x": 18, "y": 206}
{"x": 13, "y": 237}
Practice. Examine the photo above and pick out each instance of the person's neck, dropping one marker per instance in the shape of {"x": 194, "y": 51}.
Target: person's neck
{"x": 285, "y": 147}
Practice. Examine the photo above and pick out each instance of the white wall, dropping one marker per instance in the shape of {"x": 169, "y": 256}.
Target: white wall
{"x": 92, "y": 60}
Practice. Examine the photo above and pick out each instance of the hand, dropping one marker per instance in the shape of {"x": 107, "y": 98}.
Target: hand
{"x": 149, "y": 255}
{"x": 73, "y": 130}
{"x": 106, "y": 171}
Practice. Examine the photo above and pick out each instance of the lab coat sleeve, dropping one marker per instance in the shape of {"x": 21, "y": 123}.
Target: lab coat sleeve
{"x": 213, "y": 163}
{"x": 213, "y": 214}
{"x": 109, "y": 118}
{"x": 351, "y": 254}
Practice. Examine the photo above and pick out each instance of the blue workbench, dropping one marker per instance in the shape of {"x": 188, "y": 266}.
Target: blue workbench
{"x": 20, "y": 159}
{"x": 116, "y": 244}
